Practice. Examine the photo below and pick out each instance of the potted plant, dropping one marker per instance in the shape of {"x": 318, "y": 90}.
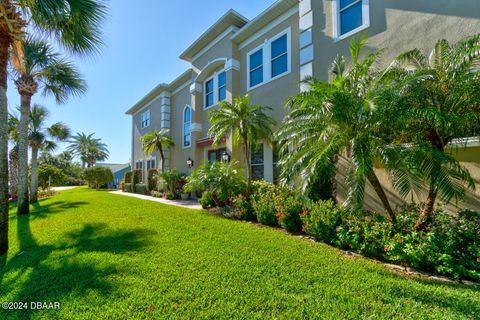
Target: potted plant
{"x": 185, "y": 195}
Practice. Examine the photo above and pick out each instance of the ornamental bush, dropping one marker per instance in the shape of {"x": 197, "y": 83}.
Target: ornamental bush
{"x": 98, "y": 176}
{"x": 244, "y": 208}
{"x": 289, "y": 208}
{"x": 172, "y": 182}
{"x": 141, "y": 188}
{"x": 152, "y": 179}
{"x": 206, "y": 201}
{"x": 322, "y": 220}
{"x": 263, "y": 202}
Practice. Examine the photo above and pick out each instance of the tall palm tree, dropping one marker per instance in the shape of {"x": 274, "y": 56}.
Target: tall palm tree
{"x": 13, "y": 155}
{"x": 88, "y": 149}
{"x": 340, "y": 117}
{"x": 41, "y": 69}
{"x": 73, "y": 24}
{"x": 159, "y": 140}
{"x": 42, "y": 138}
{"x": 246, "y": 123}
{"x": 440, "y": 102}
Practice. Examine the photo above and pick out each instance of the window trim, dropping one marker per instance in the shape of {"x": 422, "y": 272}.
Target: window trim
{"x": 142, "y": 121}
{"x": 220, "y": 87}
{"x": 337, "y": 36}
{"x": 183, "y": 126}
{"x": 216, "y": 88}
{"x": 261, "y": 148}
{"x": 149, "y": 162}
{"x": 267, "y": 59}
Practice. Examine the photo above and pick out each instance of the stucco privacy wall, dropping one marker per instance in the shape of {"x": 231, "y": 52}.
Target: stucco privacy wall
{"x": 468, "y": 157}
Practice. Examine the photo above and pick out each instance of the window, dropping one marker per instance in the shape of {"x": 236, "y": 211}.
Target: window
{"x": 216, "y": 155}
{"x": 257, "y": 162}
{"x": 269, "y": 61}
{"x": 146, "y": 119}
{"x": 256, "y": 68}
{"x": 352, "y": 16}
{"x": 187, "y": 133}
{"x": 222, "y": 86}
{"x": 151, "y": 164}
{"x": 279, "y": 56}
{"x": 139, "y": 166}
{"x": 209, "y": 93}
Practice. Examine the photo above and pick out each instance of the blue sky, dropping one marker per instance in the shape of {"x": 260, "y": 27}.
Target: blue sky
{"x": 142, "y": 46}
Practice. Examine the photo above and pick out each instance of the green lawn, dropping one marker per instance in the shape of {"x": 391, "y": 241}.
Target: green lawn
{"x": 105, "y": 256}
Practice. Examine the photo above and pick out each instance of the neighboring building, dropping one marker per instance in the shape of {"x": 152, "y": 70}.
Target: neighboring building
{"x": 118, "y": 171}
{"x": 269, "y": 55}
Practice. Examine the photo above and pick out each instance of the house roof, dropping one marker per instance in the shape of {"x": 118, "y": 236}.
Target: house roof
{"x": 263, "y": 19}
{"x": 231, "y": 18}
{"x": 162, "y": 87}
{"x": 115, "y": 167}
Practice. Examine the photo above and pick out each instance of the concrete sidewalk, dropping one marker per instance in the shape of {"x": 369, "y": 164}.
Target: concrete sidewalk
{"x": 189, "y": 204}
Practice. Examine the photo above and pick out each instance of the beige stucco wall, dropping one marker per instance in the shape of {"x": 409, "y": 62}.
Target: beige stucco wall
{"x": 396, "y": 26}
{"x": 468, "y": 157}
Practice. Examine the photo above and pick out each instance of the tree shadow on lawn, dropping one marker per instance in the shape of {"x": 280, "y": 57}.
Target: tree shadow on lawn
{"x": 48, "y": 273}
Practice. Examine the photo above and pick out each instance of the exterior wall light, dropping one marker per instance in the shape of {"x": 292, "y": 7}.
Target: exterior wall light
{"x": 225, "y": 157}
{"x": 190, "y": 162}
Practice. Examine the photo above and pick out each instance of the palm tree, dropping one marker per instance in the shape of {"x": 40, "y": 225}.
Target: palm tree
{"x": 440, "y": 102}
{"x": 341, "y": 117}
{"x": 13, "y": 155}
{"x": 75, "y": 25}
{"x": 39, "y": 136}
{"x": 41, "y": 69}
{"x": 246, "y": 123}
{"x": 157, "y": 140}
{"x": 88, "y": 149}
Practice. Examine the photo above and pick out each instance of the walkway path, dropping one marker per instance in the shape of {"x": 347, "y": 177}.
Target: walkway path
{"x": 63, "y": 188}
{"x": 190, "y": 204}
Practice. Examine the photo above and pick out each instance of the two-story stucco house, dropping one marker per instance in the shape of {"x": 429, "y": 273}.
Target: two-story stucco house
{"x": 268, "y": 56}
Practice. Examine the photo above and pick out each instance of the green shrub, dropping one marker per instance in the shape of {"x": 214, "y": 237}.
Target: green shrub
{"x": 224, "y": 181}
{"x": 206, "y": 201}
{"x": 230, "y": 213}
{"x": 322, "y": 220}
{"x": 152, "y": 179}
{"x": 289, "y": 209}
{"x": 244, "y": 208}
{"x": 128, "y": 177}
{"x": 141, "y": 189}
{"x": 156, "y": 194}
{"x": 263, "y": 202}
{"x": 172, "y": 182}
{"x": 136, "y": 176}
{"x": 98, "y": 176}
{"x": 49, "y": 174}
{"x": 128, "y": 187}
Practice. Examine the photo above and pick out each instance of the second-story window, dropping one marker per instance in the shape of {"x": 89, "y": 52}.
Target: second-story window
{"x": 222, "y": 86}
{"x": 279, "y": 56}
{"x": 187, "y": 133}
{"x": 256, "y": 68}
{"x": 146, "y": 119}
{"x": 151, "y": 164}
{"x": 269, "y": 61}
{"x": 209, "y": 93}
{"x": 352, "y": 16}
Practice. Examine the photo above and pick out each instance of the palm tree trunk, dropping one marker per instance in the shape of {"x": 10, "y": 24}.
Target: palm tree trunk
{"x": 373, "y": 179}
{"x": 34, "y": 178}
{"x": 13, "y": 172}
{"x": 162, "y": 156}
{"x": 23, "y": 201}
{"x": 5, "y": 42}
{"x": 428, "y": 210}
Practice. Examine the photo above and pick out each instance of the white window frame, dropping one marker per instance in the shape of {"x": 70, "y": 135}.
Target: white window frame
{"x": 216, "y": 100}
{"x": 183, "y": 126}
{"x": 217, "y": 76}
{"x": 142, "y": 162}
{"x": 145, "y": 119}
{"x": 261, "y": 148}
{"x": 267, "y": 59}
{"x": 336, "y": 20}
{"x": 149, "y": 161}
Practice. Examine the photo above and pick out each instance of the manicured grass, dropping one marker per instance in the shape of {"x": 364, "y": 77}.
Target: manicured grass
{"x": 105, "y": 256}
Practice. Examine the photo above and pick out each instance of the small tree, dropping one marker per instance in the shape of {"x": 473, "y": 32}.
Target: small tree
{"x": 50, "y": 175}
{"x": 159, "y": 141}
{"x": 98, "y": 176}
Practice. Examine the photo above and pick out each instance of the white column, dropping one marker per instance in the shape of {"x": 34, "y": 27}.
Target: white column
{"x": 267, "y": 163}
{"x": 306, "y": 40}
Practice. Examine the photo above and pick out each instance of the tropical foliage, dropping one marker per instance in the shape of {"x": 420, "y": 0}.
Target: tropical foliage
{"x": 440, "y": 102}
{"x": 341, "y": 117}
{"x": 88, "y": 149}
{"x": 157, "y": 140}
{"x": 246, "y": 124}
